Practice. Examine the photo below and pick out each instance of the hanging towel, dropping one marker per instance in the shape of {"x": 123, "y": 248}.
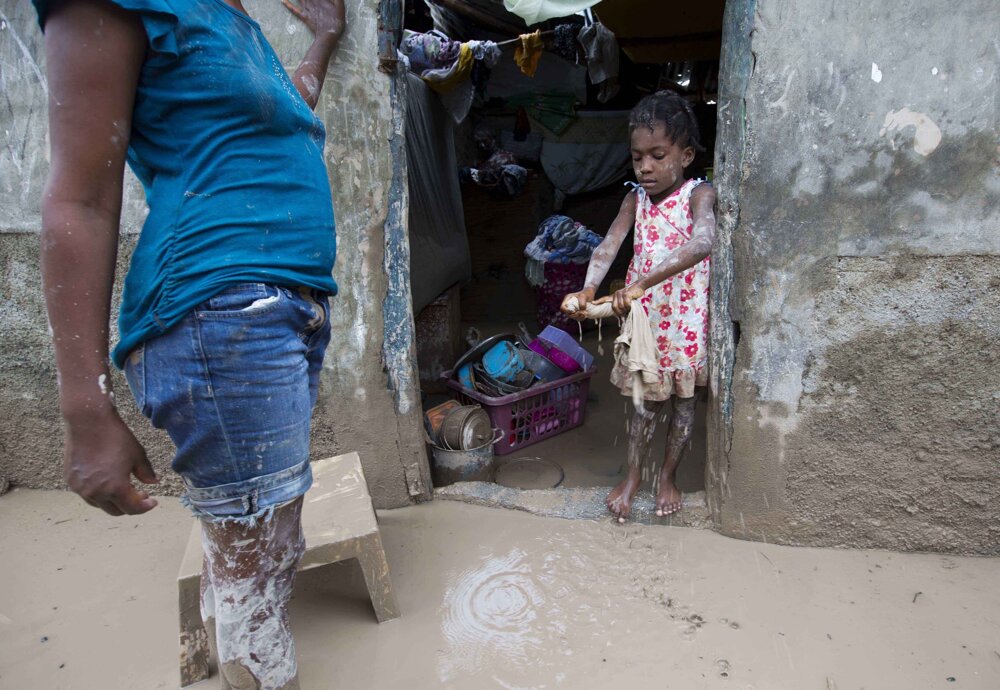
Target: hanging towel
{"x": 528, "y": 53}
{"x": 534, "y": 11}
{"x": 601, "y": 49}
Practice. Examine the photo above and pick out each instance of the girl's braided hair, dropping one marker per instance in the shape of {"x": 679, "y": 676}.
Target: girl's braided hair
{"x": 671, "y": 110}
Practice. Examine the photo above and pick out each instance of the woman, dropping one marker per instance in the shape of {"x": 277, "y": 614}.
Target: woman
{"x": 224, "y": 318}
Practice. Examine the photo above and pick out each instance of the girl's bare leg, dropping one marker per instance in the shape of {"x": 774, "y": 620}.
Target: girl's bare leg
{"x": 250, "y": 567}
{"x": 619, "y": 501}
{"x": 668, "y": 497}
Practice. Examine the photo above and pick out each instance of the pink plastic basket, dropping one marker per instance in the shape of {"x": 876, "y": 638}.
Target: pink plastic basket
{"x": 534, "y": 414}
{"x": 560, "y": 280}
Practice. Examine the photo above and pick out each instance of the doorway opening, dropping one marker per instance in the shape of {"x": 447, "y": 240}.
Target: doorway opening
{"x": 565, "y": 139}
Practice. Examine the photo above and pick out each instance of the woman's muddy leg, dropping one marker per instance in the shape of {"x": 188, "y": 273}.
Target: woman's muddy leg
{"x": 251, "y": 566}
{"x": 207, "y": 599}
{"x": 619, "y": 500}
{"x": 668, "y": 496}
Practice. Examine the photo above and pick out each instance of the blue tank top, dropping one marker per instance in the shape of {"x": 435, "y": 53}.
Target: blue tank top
{"x": 231, "y": 158}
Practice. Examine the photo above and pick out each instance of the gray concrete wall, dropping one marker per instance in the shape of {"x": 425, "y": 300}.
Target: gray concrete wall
{"x": 860, "y": 257}
{"x": 369, "y": 402}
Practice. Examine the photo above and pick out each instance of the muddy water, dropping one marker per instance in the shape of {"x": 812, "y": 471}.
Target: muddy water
{"x": 497, "y": 599}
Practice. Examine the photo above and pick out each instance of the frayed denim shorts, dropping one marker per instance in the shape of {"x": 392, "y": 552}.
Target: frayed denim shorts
{"x": 234, "y": 384}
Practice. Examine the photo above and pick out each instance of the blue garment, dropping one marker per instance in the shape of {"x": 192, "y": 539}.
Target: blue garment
{"x": 231, "y": 158}
{"x": 234, "y": 384}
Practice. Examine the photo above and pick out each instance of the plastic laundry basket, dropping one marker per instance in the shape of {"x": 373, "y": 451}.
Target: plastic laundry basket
{"x": 534, "y": 414}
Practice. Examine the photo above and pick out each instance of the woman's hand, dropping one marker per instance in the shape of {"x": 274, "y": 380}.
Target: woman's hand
{"x": 574, "y": 305}
{"x": 621, "y": 301}
{"x": 100, "y": 457}
{"x": 326, "y": 19}
{"x": 323, "y": 17}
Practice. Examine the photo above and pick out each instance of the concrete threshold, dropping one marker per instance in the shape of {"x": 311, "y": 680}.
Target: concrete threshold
{"x": 584, "y": 503}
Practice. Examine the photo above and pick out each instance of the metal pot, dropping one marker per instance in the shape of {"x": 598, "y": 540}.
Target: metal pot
{"x": 464, "y": 428}
{"x": 450, "y": 466}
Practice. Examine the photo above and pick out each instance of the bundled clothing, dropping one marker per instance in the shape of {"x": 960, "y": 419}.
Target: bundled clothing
{"x": 500, "y": 172}
{"x": 560, "y": 240}
{"x": 444, "y": 63}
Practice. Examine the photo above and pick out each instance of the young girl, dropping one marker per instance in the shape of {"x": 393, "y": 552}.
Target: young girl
{"x": 674, "y": 225}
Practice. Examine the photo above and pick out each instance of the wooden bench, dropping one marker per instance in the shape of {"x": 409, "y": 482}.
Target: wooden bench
{"x": 339, "y": 524}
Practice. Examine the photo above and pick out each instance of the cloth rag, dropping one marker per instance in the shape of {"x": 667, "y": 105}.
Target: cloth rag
{"x": 534, "y": 11}
{"x": 601, "y": 50}
{"x": 635, "y": 349}
{"x": 529, "y": 52}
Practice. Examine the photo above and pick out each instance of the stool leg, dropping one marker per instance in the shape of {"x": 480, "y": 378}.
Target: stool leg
{"x": 194, "y": 653}
{"x": 376, "y": 570}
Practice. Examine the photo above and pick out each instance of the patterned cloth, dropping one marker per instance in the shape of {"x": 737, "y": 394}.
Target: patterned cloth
{"x": 677, "y": 308}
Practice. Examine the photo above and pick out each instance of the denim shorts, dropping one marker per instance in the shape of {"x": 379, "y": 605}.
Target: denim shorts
{"x": 234, "y": 384}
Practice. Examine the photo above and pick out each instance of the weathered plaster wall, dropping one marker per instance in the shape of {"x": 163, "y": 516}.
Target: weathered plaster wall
{"x": 368, "y": 402}
{"x": 860, "y": 258}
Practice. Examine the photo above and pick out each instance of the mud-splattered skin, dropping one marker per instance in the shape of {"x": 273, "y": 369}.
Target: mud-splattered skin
{"x": 641, "y": 429}
{"x": 246, "y": 585}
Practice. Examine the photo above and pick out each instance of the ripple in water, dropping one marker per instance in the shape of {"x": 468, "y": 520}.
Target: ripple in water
{"x": 499, "y": 618}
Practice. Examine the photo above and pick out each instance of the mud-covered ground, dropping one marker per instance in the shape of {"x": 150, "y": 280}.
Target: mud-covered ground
{"x": 500, "y": 599}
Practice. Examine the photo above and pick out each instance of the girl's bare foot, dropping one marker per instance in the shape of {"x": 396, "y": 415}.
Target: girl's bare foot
{"x": 619, "y": 500}
{"x": 668, "y": 498}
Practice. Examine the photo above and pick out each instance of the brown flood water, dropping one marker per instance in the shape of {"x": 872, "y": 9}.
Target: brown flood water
{"x": 498, "y": 599}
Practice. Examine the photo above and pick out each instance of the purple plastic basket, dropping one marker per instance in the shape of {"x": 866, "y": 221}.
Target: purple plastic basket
{"x": 532, "y": 415}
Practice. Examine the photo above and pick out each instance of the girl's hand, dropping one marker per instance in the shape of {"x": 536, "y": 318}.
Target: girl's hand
{"x": 621, "y": 301}
{"x": 574, "y": 305}
{"x": 323, "y": 17}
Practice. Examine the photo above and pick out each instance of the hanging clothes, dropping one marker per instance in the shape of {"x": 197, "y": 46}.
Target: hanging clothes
{"x": 528, "y": 53}
{"x": 601, "y": 50}
{"x": 564, "y": 43}
{"x": 455, "y": 70}
{"x": 555, "y": 110}
{"x": 534, "y": 11}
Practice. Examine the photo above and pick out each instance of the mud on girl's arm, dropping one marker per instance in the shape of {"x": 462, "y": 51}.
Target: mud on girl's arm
{"x": 697, "y": 247}
{"x": 684, "y": 257}
{"x": 575, "y": 304}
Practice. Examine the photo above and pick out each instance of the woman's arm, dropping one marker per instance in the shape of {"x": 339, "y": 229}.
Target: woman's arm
{"x": 684, "y": 257}
{"x": 325, "y": 18}
{"x": 602, "y": 258}
{"x": 94, "y": 52}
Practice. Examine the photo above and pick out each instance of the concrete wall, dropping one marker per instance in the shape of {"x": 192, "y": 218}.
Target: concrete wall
{"x": 857, "y": 276}
{"x": 369, "y": 400}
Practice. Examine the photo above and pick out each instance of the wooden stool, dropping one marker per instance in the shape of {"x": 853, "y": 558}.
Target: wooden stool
{"x": 339, "y": 524}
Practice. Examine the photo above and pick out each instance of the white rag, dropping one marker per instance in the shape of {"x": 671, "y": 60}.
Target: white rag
{"x": 534, "y": 11}
{"x": 635, "y": 348}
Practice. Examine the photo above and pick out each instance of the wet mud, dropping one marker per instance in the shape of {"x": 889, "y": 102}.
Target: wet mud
{"x": 499, "y": 599}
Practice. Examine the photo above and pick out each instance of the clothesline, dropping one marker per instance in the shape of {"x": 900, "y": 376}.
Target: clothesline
{"x": 517, "y": 40}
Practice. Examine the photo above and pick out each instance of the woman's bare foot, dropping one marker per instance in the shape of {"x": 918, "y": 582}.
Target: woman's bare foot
{"x": 619, "y": 500}
{"x": 668, "y": 498}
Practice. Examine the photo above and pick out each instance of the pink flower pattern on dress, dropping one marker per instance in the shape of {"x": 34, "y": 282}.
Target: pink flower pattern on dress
{"x": 677, "y": 308}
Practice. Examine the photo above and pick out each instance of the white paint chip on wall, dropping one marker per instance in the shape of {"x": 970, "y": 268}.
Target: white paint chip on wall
{"x": 926, "y": 135}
